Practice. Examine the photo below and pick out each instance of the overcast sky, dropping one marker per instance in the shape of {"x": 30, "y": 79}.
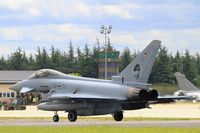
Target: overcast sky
{"x": 32, "y": 23}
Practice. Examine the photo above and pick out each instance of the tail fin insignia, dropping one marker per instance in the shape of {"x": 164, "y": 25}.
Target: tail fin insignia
{"x": 139, "y": 69}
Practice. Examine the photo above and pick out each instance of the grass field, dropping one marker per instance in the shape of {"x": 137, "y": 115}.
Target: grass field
{"x": 165, "y": 89}
{"x": 96, "y": 129}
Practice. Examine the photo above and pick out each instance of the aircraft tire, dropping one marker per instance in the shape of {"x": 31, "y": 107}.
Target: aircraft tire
{"x": 72, "y": 116}
{"x": 118, "y": 116}
{"x": 56, "y": 118}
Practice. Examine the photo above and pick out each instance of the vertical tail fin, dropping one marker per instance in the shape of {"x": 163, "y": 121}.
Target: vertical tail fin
{"x": 140, "y": 68}
{"x": 184, "y": 83}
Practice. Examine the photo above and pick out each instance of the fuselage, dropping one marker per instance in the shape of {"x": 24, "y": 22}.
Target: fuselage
{"x": 105, "y": 96}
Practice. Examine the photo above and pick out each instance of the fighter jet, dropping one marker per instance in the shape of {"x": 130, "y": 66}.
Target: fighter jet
{"x": 186, "y": 88}
{"x": 81, "y": 96}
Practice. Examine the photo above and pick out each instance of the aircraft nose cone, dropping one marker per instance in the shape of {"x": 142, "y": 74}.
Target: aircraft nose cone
{"x": 16, "y": 87}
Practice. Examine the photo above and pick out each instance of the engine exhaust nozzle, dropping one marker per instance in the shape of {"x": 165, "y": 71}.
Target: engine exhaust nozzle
{"x": 153, "y": 95}
{"x": 143, "y": 95}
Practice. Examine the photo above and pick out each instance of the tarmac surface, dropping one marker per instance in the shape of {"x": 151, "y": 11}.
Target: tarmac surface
{"x": 180, "y": 123}
{"x": 175, "y": 110}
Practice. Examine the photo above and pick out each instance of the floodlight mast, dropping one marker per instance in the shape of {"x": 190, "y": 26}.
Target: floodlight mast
{"x": 105, "y": 31}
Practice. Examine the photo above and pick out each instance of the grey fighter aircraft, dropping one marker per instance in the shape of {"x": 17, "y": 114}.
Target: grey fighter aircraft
{"x": 186, "y": 88}
{"x": 81, "y": 96}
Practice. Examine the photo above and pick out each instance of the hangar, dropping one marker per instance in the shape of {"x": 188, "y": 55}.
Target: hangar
{"x": 8, "y": 78}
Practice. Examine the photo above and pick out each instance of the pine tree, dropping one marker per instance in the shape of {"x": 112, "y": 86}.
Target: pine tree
{"x": 125, "y": 59}
{"x": 15, "y": 61}
{"x": 71, "y": 58}
{"x": 24, "y": 61}
{"x": 2, "y": 63}
{"x": 79, "y": 53}
{"x": 198, "y": 63}
{"x": 64, "y": 63}
{"x": 86, "y": 69}
{"x": 94, "y": 63}
{"x": 152, "y": 78}
{"x": 31, "y": 63}
{"x": 163, "y": 71}
{"x": 55, "y": 59}
{"x": 45, "y": 58}
{"x": 42, "y": 59}
{"x": 78, "y": 61}
{"x": 177, "y": 63}
{"x": 38, "y": 58}
{"x": 189, "y": 67}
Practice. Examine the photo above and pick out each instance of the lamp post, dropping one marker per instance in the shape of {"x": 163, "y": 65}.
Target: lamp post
{"x": 105, "y": 31}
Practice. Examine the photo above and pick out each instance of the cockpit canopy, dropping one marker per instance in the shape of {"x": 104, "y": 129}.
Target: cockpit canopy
{"x": 45, "y": 73}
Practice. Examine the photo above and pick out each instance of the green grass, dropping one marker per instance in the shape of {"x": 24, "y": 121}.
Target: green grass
{"x": 96, "y": 129}
{"x": 167, "y": 89}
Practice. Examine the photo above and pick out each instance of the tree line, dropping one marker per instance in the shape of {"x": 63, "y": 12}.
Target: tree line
{"x": 84, "y": 62}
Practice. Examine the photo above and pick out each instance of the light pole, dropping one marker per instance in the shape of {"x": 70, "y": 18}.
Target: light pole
{"x": 105, "y": 31}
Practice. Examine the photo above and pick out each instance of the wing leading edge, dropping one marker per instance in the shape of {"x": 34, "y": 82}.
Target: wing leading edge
{"x": 161, "y": 99}
{"x": 81, "y": 96}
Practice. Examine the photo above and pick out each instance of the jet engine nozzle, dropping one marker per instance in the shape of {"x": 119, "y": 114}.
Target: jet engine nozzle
{"x": 153, "y": 95}
{"x": 143, "y": 95}
{"x": 139, "y": 94}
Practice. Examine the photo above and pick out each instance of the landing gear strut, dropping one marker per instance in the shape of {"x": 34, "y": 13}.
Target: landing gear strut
{"x": 72, "y": 116}
{"x": 56, "y": 117}
{"x": 118, "y": 116}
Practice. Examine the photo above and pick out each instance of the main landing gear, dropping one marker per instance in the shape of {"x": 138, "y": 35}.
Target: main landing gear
{"x": 72, "y": 116}
{"x": 118, "y": 116}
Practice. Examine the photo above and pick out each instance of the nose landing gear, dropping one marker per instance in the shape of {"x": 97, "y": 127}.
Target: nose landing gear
{"x": 56, "y": 117}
